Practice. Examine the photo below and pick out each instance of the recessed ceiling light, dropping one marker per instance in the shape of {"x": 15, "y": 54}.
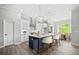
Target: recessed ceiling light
{"x": 49, "y": 12}
{"x": 49, "y": 8}
{"x": 21, "y": 10}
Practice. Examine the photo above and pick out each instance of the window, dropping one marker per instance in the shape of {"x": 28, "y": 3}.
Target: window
{"x": 64, "y": 28}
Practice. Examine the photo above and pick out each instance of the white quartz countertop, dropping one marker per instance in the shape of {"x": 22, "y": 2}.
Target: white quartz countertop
{"x": 44, "y": 35}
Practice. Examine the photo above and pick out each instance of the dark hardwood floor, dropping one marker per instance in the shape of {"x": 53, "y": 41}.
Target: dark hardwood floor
{"x": 65, "y": 48}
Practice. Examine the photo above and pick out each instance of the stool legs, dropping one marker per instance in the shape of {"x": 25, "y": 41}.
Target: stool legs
{"x": 56, "y": 41}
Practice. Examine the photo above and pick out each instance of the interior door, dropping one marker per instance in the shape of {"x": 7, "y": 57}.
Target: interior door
{"x": 8, "y": 33}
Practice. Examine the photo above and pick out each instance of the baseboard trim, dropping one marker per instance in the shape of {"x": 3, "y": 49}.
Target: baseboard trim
{"x": 17, "y": 43}
{"x": 74, "y": 44}
{"x": 14, "y": 44}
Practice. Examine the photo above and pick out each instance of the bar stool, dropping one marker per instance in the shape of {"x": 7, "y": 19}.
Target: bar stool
{"x": 56, "y": 39}
{"x": 47, "y": 41}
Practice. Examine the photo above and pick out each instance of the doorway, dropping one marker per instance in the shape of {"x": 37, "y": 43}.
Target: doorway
{"x": 64, "y": 29}
{"x": 8, "y": 33}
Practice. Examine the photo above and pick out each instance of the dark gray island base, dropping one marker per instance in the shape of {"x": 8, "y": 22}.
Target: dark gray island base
{"x": 35, "y": 42}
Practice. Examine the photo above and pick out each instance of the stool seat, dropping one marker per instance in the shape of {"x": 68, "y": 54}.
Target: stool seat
{"x": 47, "y": 40}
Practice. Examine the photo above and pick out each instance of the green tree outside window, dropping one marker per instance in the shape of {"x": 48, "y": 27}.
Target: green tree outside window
{"x": 64, "y": 28}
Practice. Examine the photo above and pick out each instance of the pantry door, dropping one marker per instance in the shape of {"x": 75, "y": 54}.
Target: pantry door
{"x": 8, "y": 33}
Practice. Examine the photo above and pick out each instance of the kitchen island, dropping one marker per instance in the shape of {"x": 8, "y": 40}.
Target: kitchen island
{"x": 35, "y": 42}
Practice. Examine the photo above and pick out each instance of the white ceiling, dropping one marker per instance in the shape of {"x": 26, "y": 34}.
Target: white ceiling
{"x": 54, "y": 12}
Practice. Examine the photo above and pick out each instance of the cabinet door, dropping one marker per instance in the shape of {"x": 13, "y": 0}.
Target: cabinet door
{"x": 36, "y": 43}
{"x": 30, "y": 42}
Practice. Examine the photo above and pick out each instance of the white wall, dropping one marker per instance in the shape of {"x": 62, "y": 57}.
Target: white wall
{"x": 1, "y": 33}
{"x": 75, "y": 26}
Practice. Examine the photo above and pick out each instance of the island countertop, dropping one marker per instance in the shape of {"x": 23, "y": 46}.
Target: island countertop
{"x": 43, "y": 35}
